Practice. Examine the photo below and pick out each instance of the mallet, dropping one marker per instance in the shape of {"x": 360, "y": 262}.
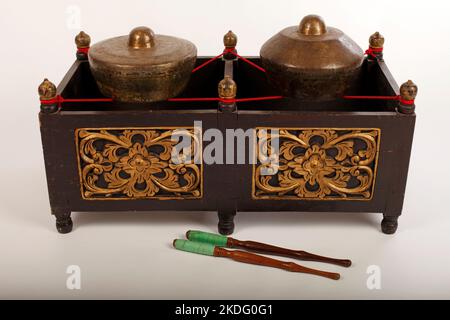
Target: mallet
{"x": 247, "y": 257}
{"x": 222, "y": 241}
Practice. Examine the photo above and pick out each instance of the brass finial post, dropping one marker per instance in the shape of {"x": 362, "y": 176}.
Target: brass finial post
{"x": 47, "y": 96}
{"x": 376, "y": 43}
{"x": 227, "y": 88}
{"x": 408, "y": 93}
{"x": 227, "y": 91}
{"x": 83, "y": 42}
{"x": 230, "y": 42}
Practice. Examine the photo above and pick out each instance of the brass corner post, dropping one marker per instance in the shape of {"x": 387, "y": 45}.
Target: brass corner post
{"x": 47, "y": 96}
{"x": 230, "y": 42}
{"x": 83, "y": 42}
{"x": 227, "y": 89}
{"x": 376, "y": 44}
{"x": 408, "y": 93}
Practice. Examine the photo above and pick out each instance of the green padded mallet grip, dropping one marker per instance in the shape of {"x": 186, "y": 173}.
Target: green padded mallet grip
{"x": 206, "y": 237}
{"x": 194, "y": 247}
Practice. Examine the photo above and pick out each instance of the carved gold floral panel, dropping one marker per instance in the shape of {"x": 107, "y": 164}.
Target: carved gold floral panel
{"x": 315, "y": 164}
{"x": 138, "y": 163}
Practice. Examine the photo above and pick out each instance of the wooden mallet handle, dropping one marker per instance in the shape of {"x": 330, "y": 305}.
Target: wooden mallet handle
{"x": 252, "y": 258}
{"x": 299, "y": 254}
{"x": 247, "y": 257}
{"x": 223, "y": 241}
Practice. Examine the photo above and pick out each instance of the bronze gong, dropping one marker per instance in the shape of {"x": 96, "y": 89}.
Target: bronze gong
{"x": 143, "y": 66}
{"x": 312, "y": 60}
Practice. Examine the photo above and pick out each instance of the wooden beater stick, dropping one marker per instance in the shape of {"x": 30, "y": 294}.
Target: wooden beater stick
{"x": 223, "y": 241}
{"x": 247, "y": 257}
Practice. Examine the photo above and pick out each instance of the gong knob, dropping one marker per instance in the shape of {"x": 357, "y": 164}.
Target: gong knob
{"x": 312, "y": 25}
{"x": 141, "y": 37}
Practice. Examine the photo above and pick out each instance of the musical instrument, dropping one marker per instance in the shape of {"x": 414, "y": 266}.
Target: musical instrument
{"x": 143, "y": 66}
{"x": 246, "y": 257}
{"x": 312, "y": 61}
{"x": 223, "y": 241}
{"x": 113, "y": 153}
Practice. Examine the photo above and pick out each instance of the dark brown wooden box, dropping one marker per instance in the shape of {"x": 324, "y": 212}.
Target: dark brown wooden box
{"x": 354, "y": 125}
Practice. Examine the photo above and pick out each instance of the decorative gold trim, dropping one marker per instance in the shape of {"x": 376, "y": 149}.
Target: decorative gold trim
{"x": 317, "y": 164}
{"x": 136, "y": 163}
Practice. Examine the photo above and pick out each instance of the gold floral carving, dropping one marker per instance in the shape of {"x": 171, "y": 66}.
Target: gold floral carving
{"x": 137, "y": 163}
{"x": 316, "y": 164}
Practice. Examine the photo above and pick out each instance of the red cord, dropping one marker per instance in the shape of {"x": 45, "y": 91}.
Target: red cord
{"x": 192, "y": 99}
{"x": 234, "y": 53}
{"x": 59, "y": 100}
{"x": 230, "y": 51}
{"x": 372, "y": 51}
{"x": 257, "y": 98}
{"x": 407, "y": 102}
{"x": 208, "y": 62}
{"x": 83, "y": 50}
{"x": 373, "y": 97}
{"x": 249, "y": 62}
{"x": 225, "y": 100}
{"x": 398, "y": 98}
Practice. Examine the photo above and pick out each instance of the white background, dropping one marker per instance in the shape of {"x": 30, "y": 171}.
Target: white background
{"x": 129, "y": 255}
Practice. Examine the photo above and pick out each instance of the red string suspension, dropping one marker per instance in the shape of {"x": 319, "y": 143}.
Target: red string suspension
{"x": 372, "y": 51}
{"x": 373, "y": 97}
{"x": 257, "y": 99}
{"x": 248, "y": 61}
{"x": 233, "y": 52}
{"x": 83, "y": 50}
{"x": 407, "y": 102}
{"x": 229, "y": 51}
{"x": 59, "y": 100}
{"x": 208, "y": 62}
{"x": 397, "y": 98}
{"x": 225, "y": 100}
{"x": 192, "y": 99}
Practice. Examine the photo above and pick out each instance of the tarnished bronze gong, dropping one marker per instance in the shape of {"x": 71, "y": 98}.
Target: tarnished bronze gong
{"x": 142, "y": 67}
{"x": 311, "y": 61}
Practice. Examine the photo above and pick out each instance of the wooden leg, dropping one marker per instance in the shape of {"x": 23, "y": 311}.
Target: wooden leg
{"x": 226, "y": 221}
{"x": 63, "y": 220}
{"x": 389, "y": 224}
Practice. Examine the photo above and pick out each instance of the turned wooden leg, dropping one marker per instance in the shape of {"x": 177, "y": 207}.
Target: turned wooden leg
{"x": 389, "y": 224}
{"x": 63, "y": 221}
{"x": 226, "y": 221}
